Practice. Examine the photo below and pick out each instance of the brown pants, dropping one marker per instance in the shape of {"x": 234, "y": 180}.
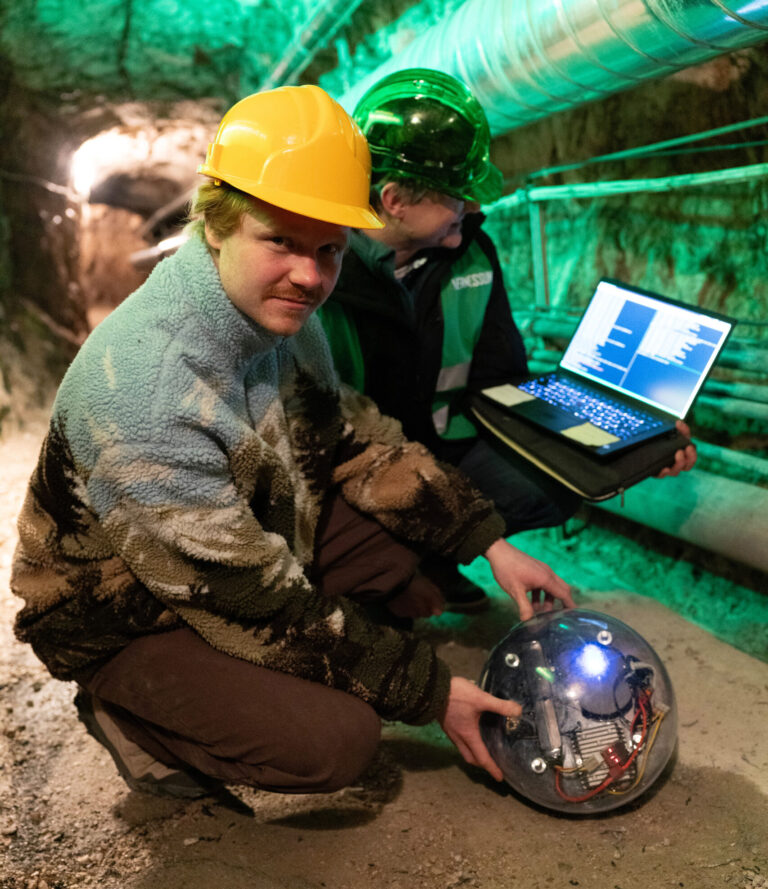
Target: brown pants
{"x": 188, "y": 704}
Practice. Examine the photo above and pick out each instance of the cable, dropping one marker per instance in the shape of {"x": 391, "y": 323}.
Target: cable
{"x": 656, "y": 724}
{"x": 641, "y": 701}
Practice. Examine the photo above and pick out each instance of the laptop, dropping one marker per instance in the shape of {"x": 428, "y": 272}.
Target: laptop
{"x": 632, "y": 368}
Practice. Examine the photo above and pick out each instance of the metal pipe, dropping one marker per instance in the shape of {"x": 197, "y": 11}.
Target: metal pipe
{"x": 716, "y": 513}
{"x": 525, "y": 61}
{"x": 736, "y": 407}
{"x": 751, "y": 469}
{"x": 614, "y": 187}
{"x": 323, "y": 23}
{"x": 747, "y": 391}
{"x": 652, "y": 148}
{"x": 539, "y": 253}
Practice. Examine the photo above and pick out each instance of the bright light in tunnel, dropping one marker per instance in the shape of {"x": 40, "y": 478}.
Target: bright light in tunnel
{"x": 95, "y": 158}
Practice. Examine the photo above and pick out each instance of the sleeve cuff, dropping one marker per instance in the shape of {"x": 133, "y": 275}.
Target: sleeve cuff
{"x": 439, "y": 701}
{"x": 482, "y": 536}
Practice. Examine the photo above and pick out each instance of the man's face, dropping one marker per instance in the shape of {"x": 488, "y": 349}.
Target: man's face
{"x": 278, "y": 267}
{"x": 435, "y": 220}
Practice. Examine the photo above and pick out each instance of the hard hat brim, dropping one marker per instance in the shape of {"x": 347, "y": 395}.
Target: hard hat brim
{"x": 302, "y": 204}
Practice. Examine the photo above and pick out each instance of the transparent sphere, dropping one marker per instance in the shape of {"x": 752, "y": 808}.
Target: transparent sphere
{"x": 599, "y": 720}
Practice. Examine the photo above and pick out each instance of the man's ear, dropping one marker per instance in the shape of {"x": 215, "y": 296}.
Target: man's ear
{"x": 214, "y": 242}
{"x": 392, "y": 200}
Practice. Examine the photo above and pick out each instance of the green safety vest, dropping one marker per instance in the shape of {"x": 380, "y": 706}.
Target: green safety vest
{"x": 464, "y": 297}
{"x": 345, "y": 344}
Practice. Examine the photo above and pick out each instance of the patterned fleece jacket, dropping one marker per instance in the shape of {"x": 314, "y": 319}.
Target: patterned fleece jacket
{"x": 181, "y": 482}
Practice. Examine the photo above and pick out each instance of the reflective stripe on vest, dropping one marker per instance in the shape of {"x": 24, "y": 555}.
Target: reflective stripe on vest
{"x": 453, "y": 377}
{"x": 464, "y": 298}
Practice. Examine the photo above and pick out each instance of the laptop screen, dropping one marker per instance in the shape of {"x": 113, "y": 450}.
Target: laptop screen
{"x": 645, "y": 346}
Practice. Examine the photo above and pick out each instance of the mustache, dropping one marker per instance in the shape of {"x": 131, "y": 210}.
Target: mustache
{"x": 311, "y": 297}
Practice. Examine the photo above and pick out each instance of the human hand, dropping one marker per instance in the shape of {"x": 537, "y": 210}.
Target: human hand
{"x": 518, "y": 574}
{"x": 461, "y": 722}
{"x": 684, "y": 458}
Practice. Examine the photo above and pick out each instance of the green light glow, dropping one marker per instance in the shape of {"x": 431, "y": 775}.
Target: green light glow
{"x": 546, "y": 673}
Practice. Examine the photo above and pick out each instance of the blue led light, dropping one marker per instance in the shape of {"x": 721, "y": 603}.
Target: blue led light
{"x": 592, "y": 661}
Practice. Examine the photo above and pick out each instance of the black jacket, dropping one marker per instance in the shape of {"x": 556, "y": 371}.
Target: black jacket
{"x": 400, "y": 328}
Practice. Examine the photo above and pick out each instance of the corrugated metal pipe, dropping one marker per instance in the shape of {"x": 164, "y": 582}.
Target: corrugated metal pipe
{"x": 525, "y": 61}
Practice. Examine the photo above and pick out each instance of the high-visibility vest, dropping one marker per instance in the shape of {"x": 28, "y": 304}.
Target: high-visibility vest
{"x": 464, "y": 299}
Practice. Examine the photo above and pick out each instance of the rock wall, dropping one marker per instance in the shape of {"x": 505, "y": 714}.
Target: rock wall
{"x": 146, "y": 48}
{"x": 41, "y": 316}
{"x": 64, "y": 66}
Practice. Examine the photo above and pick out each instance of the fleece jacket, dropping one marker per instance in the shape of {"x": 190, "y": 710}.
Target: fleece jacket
{"x": 181, "y": 481}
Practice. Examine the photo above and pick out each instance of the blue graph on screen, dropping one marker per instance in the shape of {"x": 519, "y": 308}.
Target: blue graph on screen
{"x": 655, "y": 351}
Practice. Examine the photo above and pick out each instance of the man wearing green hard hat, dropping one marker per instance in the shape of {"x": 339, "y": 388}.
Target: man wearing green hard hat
{"x": 420, "y": 314}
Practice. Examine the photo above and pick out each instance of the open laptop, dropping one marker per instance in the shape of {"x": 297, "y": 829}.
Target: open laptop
{"x": 634, "y": 366}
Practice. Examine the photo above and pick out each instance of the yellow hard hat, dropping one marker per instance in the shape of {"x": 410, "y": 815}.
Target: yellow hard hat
{"x": 296, "y": 148}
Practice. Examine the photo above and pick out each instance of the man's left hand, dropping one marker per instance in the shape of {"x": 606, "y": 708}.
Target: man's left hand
{"x": 461, "y": 722}
{"x": 684, "y": 458}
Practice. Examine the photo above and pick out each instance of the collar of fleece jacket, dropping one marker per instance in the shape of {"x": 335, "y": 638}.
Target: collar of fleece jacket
{"x": 179, "y": 378}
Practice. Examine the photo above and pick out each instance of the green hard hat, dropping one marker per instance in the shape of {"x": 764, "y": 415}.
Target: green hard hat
{"x": 427, "y": 126}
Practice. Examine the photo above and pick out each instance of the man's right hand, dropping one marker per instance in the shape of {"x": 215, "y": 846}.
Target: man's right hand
{"x": 519, "y": 574}
{"x": 461, "y": 722}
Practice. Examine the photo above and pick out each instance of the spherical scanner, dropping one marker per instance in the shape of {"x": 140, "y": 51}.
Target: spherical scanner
{"x": 599, "y": 721}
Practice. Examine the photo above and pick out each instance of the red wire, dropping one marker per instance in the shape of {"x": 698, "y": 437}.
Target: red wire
{"x": 611, "y": 778}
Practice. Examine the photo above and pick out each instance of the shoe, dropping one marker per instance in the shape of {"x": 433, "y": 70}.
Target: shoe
{"x": 461, "y": 595}
{"x": 140, "y": 771}
{"x": 465, "y": 597}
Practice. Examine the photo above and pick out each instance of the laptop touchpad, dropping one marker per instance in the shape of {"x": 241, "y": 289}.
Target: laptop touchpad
{"x": 542, "y": 412}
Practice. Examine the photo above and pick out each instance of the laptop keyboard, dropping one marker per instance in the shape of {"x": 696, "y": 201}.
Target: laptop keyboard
{"x": 612, "y": 416}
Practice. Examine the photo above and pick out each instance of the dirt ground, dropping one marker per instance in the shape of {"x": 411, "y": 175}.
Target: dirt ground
{"x": 420, "y": 817}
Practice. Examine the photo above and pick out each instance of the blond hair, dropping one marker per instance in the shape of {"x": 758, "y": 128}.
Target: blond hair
{"x": 221, "y": 207}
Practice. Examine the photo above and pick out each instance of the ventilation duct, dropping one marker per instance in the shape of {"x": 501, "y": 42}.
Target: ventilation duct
{"x": 527, "y": 60}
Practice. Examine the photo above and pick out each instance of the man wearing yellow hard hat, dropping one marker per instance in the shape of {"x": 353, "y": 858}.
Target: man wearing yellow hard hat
{"x": 213, "y": 542}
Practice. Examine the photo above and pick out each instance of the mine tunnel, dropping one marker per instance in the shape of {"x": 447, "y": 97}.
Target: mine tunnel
{"x": 633, "y": 143}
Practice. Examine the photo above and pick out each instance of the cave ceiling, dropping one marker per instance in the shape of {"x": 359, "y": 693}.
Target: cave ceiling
{"x": 163, "y": 71}
{"x": 159, "y": 73}
{"x": 167, "y": 50}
